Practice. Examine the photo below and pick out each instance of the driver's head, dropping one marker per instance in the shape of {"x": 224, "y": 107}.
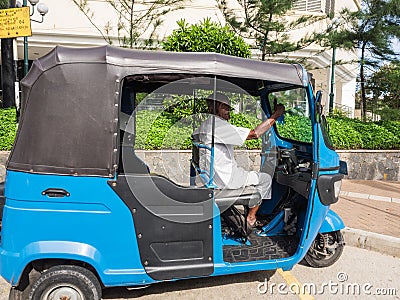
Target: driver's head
{"x": 222, "y": 105}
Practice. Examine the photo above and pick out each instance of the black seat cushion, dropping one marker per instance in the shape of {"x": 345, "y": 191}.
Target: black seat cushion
{"x": 242, "y": 196}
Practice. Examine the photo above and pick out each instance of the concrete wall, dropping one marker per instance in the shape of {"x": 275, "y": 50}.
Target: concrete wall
{"x": 362, "y": 164}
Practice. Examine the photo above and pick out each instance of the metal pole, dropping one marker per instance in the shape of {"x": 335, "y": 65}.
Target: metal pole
{"x": 7, "y": 72}
{"x": 26, "y": 59}
{"x": 8, "y": 76}
{"x": 332, "y": 93}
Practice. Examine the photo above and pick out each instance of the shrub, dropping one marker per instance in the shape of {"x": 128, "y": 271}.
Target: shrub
{"x": 8, "y": 128}
{"x": 343, "y": 134}
{"x": 349, "y": 133}
{"x": 155, "y": 130}
{"x": 296, "y": 127}
{"x": 207, "y": 36}
{"x": 164, "y": 130}
{"x": 246, "y": 121}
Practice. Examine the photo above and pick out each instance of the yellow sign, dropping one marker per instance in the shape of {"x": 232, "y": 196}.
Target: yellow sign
{"x": 15, "y": 22}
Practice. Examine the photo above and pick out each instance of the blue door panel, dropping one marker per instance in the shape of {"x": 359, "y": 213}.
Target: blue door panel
{"x": 91, "y": 225}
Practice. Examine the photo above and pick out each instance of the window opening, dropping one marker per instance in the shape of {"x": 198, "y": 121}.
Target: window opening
{"x": 296, "y": 124}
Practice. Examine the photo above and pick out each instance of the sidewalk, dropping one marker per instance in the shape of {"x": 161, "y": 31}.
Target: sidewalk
{"x": 371, "y": 211}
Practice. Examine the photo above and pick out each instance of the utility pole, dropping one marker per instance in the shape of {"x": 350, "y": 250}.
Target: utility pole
{"x": 8, "y": 69}
{"x": 332, "y": 92}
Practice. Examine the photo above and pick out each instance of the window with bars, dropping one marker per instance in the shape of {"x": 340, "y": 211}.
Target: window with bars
{"x": 326, "y": 6}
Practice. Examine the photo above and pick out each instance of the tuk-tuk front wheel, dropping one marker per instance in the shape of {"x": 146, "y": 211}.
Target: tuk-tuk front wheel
{"x": 62, "y": 282}
{"x": 325, "y": 250}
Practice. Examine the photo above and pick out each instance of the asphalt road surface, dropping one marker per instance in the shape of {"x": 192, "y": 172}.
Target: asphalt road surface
{"x": 359, "y": 274}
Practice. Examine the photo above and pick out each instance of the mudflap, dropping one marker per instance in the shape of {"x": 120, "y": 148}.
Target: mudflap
{"x": 331, "y": 223}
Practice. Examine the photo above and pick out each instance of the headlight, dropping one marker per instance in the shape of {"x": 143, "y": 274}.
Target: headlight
{"x": 329, "y": 188}
{"x": 337, "y": 185}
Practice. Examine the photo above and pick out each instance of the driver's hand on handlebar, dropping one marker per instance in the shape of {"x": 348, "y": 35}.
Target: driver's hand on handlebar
{"x": 279, "y": 110}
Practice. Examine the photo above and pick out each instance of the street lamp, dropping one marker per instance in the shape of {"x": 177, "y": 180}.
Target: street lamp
{"x": 42, "y": 10}
{"x": 335, "y": 24}
{"x": 332, "y": 91}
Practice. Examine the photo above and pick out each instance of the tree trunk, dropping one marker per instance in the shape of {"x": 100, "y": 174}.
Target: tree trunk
{"x": 131, "y": 26}
{"x": 363, "y": 95}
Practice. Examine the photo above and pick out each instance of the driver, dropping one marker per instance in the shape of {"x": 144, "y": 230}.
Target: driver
{"x": 227, "y": 174}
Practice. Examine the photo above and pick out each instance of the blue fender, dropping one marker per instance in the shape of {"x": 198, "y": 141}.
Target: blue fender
{"x": 50, "y": 249}
{"x": 331, "y": 223}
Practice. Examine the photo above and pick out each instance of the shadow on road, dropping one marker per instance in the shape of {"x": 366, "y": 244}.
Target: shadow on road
{"x": 188, "y": 284}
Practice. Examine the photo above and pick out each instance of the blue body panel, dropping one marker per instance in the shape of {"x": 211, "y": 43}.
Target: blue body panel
{"x": 91, "y": 225}
{"x": 331, "y": 223}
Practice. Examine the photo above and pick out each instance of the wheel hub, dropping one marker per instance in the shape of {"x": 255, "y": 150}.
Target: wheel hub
{"x": 63, "y": 293}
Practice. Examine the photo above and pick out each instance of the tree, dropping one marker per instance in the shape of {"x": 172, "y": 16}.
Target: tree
{"x": 267, "y": 24}
{"x": 383, "y": 88}
{"x": 384, "y": 85}
{"x": 137, "y": 22}
{"x": 371, "y": 32}
{"x": 207, "y": 36}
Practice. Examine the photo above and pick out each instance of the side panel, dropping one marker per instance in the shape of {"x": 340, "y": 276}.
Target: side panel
{"x": 173, "y": 223}
{"x": 92, "y": 225}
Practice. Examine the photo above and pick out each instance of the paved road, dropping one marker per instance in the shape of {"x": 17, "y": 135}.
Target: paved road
{"x": 369, "y": 271}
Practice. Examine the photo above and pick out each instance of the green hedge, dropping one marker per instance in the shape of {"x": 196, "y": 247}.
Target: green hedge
{"x": 345, "y": 133}
{"x": 8, "y": 127}
{"x": 353, "y": 134}
{"x": 155, "y": 137}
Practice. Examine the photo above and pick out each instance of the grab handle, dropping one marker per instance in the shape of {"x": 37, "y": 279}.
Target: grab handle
{"x": 55, "y": 193}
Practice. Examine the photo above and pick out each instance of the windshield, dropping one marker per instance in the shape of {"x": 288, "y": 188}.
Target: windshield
{"x": 296, "y": 123}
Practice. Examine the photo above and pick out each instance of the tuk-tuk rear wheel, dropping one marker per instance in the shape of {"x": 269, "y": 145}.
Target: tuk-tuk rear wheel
{"x": 61, "y": 282}
{"x": 325, "y": 249}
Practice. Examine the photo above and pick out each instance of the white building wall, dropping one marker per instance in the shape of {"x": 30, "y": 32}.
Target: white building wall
{"x": 66, "y": 25}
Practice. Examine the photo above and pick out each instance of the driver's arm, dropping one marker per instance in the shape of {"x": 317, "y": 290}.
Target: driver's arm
{"x": 267, "y": 124}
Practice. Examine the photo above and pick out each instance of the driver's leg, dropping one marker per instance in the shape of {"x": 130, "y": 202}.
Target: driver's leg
{"x": 262, "y": 182}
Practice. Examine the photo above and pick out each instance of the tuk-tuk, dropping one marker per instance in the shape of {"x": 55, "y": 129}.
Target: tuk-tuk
{"x": 83, "y": 211}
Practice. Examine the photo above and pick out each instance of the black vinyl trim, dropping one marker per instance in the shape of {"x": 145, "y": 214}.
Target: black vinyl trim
{"x": 325, "y": 186}
{"x": 329, "y": 169}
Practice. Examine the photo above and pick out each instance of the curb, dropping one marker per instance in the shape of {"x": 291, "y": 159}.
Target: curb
{"x": 372, "y": 241}
{"x": 370, "y": 197}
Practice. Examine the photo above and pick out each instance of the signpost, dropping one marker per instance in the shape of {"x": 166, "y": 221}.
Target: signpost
{"x": 15, "y": 22}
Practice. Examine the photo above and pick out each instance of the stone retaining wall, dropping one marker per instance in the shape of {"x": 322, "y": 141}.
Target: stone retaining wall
{"x": 372, "y": 164}
{"x": 362, "y": 164}
{"x": 3, "y": 160}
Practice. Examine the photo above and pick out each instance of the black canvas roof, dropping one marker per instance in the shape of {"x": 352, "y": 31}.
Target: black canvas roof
{"x": 69, "y": 120}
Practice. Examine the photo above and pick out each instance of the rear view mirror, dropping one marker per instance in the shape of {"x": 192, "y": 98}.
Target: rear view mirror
{"x": 318, "y": 105}
{"x": 318, "y": 96}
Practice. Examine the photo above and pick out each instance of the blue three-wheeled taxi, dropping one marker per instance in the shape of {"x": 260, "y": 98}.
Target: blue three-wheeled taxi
{"x": 84, "y": 208}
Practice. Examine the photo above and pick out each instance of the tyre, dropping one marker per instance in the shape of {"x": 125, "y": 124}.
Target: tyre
{"x": 62, "y": 282}
{"x": 325, "y": 250}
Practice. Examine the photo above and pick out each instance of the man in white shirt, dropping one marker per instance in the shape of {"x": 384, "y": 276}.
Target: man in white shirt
{"x": 227, "y": 174}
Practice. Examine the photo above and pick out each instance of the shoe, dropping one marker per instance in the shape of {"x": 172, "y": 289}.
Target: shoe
{"x": 260, "y": 223}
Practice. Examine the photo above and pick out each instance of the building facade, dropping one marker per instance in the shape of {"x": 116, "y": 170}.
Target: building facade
{"x": 66, "y": 24}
